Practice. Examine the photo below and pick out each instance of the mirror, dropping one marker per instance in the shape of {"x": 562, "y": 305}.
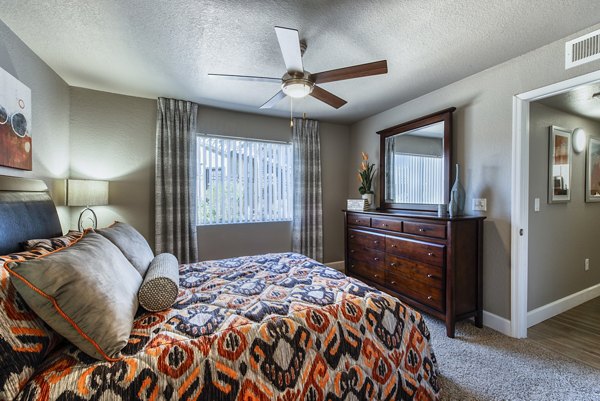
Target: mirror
{"x": 415, "y": 162}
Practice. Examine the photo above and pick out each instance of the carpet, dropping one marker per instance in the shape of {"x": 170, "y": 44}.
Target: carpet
{"x": 482, "y": 364}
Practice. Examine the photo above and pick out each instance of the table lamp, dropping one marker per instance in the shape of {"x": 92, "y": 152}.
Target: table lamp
{"x": 87, "y": 193}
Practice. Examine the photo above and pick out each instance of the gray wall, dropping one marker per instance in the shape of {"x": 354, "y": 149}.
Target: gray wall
{"x": 113, "y": 138}
{"x": 561, "y": 235}
{"x": 50, "y": 112}
{"x": 230, "y": 240}
{"x": 482, "y": 145}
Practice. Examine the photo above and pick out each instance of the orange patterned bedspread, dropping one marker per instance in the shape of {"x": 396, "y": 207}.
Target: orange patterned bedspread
{"x": 275, "y": 327}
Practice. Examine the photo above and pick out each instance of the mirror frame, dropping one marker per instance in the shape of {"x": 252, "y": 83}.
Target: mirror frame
{"x": 442, "y": 115}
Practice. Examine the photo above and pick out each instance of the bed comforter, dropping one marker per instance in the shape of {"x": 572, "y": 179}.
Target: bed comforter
{"x": 275, "y": 327}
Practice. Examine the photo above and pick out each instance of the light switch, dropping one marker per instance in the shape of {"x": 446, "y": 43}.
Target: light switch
{"x": 480, "y": 204}
{"x": 536, "y": 205}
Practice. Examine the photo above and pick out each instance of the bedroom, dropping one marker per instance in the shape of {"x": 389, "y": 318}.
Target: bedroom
{"x": 83, "y": 125}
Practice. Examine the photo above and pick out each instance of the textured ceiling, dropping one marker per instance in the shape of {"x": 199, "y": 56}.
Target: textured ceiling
{"x": 154, "y": 48}
{"x": 578, "y": 101}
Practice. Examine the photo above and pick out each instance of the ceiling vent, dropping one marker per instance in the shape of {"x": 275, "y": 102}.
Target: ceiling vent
{"x": 582, "y": 50}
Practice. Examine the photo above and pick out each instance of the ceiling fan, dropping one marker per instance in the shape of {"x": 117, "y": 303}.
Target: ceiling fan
{"x": 297, "y": 82}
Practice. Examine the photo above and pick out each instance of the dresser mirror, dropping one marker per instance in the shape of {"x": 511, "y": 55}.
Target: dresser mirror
{"x": 414, "y": 164}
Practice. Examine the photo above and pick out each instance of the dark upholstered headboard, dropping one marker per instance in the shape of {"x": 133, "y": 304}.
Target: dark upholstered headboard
{"x": 26, "y": 212}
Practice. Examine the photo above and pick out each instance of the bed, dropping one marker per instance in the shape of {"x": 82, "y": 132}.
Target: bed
{"x": 268, "y": 327}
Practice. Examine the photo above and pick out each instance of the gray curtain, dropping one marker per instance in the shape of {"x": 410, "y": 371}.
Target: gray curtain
{"x": 307, "y": 234}
{"x": 176, "y": 179}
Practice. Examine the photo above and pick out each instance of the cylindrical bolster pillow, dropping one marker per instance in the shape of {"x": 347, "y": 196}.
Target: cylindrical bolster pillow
{"x": 161, "y": 285}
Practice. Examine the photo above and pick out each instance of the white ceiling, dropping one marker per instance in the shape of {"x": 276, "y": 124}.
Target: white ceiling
{"x": 578, "y": 101}
{"x": 152, "y": 48}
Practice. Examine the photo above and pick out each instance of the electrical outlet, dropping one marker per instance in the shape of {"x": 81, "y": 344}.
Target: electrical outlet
{"x": 480, "y": 204}
{"x": 536, "y": 205}
{"x": 587, "y": 264}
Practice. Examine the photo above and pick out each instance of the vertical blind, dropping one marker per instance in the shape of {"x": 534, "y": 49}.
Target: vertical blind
{"x": 243, "y": 181}
{"x": 428, "y": 189}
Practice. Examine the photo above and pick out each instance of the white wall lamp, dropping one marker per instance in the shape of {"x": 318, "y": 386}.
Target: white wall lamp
{"x": 87, "y": 193}
{"x": 579, "y": 140}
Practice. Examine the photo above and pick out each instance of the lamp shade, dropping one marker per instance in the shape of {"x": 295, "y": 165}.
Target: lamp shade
{"x": 87, "y": 193}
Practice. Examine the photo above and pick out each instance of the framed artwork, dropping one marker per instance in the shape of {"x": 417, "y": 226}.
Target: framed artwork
{"x": 560, "y": 159}
{"x": 592, "y": 182}
{"x": 15, "y": 123}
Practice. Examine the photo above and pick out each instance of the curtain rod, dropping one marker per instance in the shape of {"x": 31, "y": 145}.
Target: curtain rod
{"x": 241, "y": 138}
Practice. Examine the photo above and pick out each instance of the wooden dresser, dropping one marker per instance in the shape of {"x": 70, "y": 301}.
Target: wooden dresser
{"x": 433, "y": 264}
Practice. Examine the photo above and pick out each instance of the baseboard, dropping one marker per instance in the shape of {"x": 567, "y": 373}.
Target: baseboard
{"x": 339, "y": 265}
{"x": 559, "y": 306}
{"x": 496, "y": 322}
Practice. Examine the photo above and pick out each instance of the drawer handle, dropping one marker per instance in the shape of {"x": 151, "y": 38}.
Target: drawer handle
{"x": 429, "y": 297}
{"x": 429, "y": 253}
{"x": 421, "y": 230}
{"x": 352, "y": 251}
{"x": 376, "y": 242}
{"x": 352, "y": 266}
{"x": 352, "y": 236}
{"x": 376, "y": 259}
{"x": 393, "y": 245}
{"x": 375, "y": 275}
{"x": 357, "y": 221}
{"x": 385, "y": 225}
{"x": 393, "y": 264}
{"x": 393, "y": 282}
{"x": 429, "y": 276}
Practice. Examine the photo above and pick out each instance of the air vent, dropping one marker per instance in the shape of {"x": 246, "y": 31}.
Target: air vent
{"x": 582, "y": 50}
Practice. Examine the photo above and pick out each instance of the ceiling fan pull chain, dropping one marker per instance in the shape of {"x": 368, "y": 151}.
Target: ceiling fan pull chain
{"x": 291, "y": 112}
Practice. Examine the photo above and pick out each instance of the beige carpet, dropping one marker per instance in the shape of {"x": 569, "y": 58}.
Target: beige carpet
{"x": 482, "y": 364}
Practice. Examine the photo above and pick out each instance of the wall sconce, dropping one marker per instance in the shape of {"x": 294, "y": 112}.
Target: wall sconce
{"x": 87, "y": 193}
{"x": 579, "y": 140}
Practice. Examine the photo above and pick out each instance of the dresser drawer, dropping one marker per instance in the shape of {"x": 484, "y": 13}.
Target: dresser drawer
{"x": 362, "y": 239}
{"x": 371, "y": 271}
{"x": 370, "y": 256}
{"x": 387, "y": 224}
{"x": 426, "y": 252}
{"x": 355, "y": 219}
{"x": 426, "y": 229}
{"x": 421, "y": 272}
{"x": 427, "y": 294}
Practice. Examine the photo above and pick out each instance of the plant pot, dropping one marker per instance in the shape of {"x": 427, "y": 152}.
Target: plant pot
{"x": 370, "y": 200}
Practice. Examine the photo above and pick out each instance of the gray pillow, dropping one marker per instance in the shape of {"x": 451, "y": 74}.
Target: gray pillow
{"x": 87, "y": 292}
{"x": 161, "y": 285}
{"x": 133, "y": 245}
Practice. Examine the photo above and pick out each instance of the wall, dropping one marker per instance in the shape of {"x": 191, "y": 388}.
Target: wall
{"x": 50, "y": 112}
{"x": 482, "y": 145}
{"x": 561, "y": 235}
{"x": 222, "y": 241}
{"x": 113, "y": 138}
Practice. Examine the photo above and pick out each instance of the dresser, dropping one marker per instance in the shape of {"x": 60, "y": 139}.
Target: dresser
{"x": 432, "y": 264}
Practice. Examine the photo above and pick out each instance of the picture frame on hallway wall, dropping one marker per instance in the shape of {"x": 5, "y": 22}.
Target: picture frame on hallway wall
{"x": 560, "y": 163}
{"x": 15, "y": 123}
{"x": 592, "y": 176}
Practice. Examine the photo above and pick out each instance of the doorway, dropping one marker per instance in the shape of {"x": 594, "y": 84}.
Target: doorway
{"x": 521, "y": 195}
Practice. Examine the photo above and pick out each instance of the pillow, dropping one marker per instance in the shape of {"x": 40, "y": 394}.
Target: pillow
{"x": 87, "y": 292}
{"x": 51, "y": 244}
{"x": 161, "y": 285}
{"x": 133, "y": 245}
{"x": 25, "y": 340}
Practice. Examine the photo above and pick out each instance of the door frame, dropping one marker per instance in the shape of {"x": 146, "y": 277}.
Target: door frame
{"x": 520, "y": 195}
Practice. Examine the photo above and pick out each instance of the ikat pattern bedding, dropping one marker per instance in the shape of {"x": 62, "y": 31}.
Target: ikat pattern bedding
{"x": 275, "y": 327}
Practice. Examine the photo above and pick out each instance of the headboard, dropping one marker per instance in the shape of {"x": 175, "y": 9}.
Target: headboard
{"x": 26, "y": 212}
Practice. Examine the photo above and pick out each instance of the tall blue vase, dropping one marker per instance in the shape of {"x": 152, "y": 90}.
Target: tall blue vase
{"x": 456, "y": 207}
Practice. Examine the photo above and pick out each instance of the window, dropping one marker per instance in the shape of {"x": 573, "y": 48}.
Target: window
{"x": 429, "y": 189}
{"x": 243, "y": 181}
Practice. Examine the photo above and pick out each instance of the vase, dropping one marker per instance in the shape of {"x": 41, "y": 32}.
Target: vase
{"x": 370, "y": 200}
{"x": 456, "y": 207}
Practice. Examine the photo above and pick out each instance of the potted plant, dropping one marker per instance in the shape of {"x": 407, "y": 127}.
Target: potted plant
{"x": 365, "y": 176}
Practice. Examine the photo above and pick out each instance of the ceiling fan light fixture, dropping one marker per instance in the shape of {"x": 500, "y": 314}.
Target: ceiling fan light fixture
{"x": 297, "y": 87}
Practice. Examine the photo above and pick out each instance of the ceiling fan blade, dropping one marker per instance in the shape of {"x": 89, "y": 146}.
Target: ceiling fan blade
{"x": 289, "y": 42}
{"x": 246, "y": 78}
{"x": 356, "y": 71}
{"x": 273, "y": 101}
{"x": 327, "y": 97}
